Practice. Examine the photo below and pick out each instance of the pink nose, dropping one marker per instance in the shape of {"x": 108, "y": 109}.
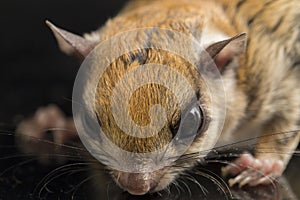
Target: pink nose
{"x": 137, "y": 183}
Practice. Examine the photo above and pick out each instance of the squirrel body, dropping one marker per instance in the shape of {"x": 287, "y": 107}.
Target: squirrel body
{"x": 261, "y": 81}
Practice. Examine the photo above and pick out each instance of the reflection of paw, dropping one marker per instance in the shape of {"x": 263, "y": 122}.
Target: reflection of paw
{"x": 48, "y": 124}
{"x": 252, "y": 171}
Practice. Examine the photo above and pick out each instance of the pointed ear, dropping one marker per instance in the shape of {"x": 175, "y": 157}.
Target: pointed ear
{"x": 70, "y": 43}
{"x": 224, "y": 51}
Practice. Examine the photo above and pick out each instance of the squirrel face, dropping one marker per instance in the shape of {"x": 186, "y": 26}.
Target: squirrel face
{"x": 155, "y": 115}
{"x": 143, "y": 112}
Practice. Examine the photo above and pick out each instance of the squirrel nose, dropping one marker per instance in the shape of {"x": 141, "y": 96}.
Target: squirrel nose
{"x": 137, "y": 183}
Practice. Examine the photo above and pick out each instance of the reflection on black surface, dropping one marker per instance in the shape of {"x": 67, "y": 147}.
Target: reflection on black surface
{"x": 77, "y": 176}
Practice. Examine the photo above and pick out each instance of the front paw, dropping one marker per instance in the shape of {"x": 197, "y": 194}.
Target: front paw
{"x": 252, "y": 171}
{"x": 45, "y": 132}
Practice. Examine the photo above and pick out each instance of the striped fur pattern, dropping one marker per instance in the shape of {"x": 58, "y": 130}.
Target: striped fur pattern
{"x": 262, "y": 85}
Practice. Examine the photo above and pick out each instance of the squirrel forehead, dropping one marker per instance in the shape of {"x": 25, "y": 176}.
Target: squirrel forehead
{"x": 170, "y": 72}
{"x": 171, "y": 94}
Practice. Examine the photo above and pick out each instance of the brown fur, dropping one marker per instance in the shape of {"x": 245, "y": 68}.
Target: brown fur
{"x": 261, "y": 86}
{"x": 143, "y": 99}
{"x": 269, "y": 74}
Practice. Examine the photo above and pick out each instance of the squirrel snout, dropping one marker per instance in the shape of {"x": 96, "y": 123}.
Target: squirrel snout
{"x": 138, "y": 183}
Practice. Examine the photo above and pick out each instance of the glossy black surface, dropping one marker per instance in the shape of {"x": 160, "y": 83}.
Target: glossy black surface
{"x": 33, "y": 73}
{"x": 69, "y": 173}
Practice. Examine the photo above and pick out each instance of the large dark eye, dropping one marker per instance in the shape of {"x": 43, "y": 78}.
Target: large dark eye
{"x": 192, "y": 122}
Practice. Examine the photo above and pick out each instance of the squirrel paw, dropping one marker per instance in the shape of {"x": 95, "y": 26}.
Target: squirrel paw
{"x": 45, "y": 132}
{"x": 252, "y": 171}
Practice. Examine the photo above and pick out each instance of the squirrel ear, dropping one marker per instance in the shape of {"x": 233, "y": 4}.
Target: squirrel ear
{"x": 222, "y": 52}
{"x": 70, "y": 43}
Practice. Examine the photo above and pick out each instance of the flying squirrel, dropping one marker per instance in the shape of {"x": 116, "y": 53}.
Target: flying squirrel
{"x": 255, "y": 46}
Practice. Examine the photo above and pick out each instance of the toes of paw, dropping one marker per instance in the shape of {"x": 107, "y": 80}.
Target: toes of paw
{"x": 261, "y": 172}
{"x": 261, "y": 181}
{"x": 240, "y": 164}
{"x": 245, "y": 178}
{"x": 49, "y": 116}
{"x": 253, "y": 171}
{"x": 46, "y": 119}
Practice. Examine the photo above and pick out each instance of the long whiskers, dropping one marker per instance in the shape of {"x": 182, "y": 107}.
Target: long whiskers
{"x": 254, "y": 139}
{"x": 80, "y": 184}
{"x": 58, "y": 172}
{"x": 217, "y": 180}
{"x": 194, "y": 180}
{"x": 186, "y": 186}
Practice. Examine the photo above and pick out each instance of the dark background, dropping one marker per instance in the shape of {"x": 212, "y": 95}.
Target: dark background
{"x": 35, "y": 73}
